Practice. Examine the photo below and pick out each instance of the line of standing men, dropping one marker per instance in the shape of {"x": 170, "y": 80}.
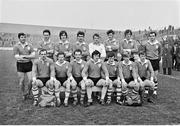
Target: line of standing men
{"x": 105, "y": 65}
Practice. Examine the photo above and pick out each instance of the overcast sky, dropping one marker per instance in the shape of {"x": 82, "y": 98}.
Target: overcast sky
{"x": 97, "y": 14}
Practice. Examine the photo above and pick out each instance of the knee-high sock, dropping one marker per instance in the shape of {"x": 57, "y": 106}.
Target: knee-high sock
{"x": 155, "y": 86}
{"x": 83, "y": 91}
{"x": 109, "y": 93}
{"x": 57, "y": 92}
{"x": 118, "y": 91}
{"x": 35, "y": 92}
{"x": 67, "y": 93}
{"x": 74, "y": 93}
{"x": 103, "y": 92}
{"x": 89, "y": 94}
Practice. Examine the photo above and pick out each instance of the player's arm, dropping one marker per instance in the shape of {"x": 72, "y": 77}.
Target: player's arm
{"x": 69, "y": 71}
{"x": 135, "y": 49}
{"x": 160, "y": 51}
{"x": 34, "y": 70}
{"x": 52, "y": 70}
{"x": 85, "y": 70}
{"x": 103, "y": 54}
{"x": 31, "y": 55}
{"x": 151, "y": 71}
{"x": 105, "y": 71}
{"x": 134, "y": 73}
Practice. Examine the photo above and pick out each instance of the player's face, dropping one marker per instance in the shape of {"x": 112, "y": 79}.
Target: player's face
{"x": 152, "y": 37}
{"x": 126, "y": 59}
{"x": 111, "y": 59}
{"x": 63, "y": 37}
{"x": 77, "y": 55}
{"x": 61, "y": 58}
{"x": 96, "y": 39}
{"x": 80, "y": 38}
{"x": 43, "y": 55}
{"x": 96, "y": 58}
{"x": 110, "y": 36}
{"x": 22, "y": 39}
{"x": 142, "y": 57}
{"x": 128, "y": 36}
{"x": 46, "y": 36}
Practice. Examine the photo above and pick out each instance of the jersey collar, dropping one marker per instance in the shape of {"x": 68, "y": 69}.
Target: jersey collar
{"x": 154, "y": 43}
{"x": 60, "y": 64}
{"x": 130, "y": 62}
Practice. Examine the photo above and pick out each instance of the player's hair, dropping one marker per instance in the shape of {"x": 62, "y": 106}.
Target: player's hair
{"x": 61, "y": 53}
{"x": 63, "y": 33}
{"x": 48, "y": 31}
{"x": 80, "y": 33}
{"x": 152, "y": 32}
{"x": 111, "y": 54}
{"x": 142, "y": 53}
{"x": 96, "y": 52}
{"x": 21, "y": 34}
{"x": 97, "y": 35}
{"x": 77, "y": 50}
{"x": 126, "y": 55}
{"x": 42, "y": 50}
{"x": 127, "y": 32}
{"x": 110, "y": 31}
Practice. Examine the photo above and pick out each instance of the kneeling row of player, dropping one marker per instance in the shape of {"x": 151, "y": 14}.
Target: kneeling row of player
{"x": 125, "y": 76}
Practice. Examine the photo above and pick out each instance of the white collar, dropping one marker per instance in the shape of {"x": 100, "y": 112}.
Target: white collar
{"x": 80, "y": 43}
{"x": 154, "y": 43}
{"x": 130, "y": 62}
{"x": 66, "y": 42}
{"x": 23, "y": 45}
{"x": 80, "y": 61}
{"x": 47, "y": 42}
{"x": 130, "y": 40}
{"x": 60, "y": 64}
{"x": 99, "y": 60}
{"x": 139, "y": 60}
{"x": 43, "y": 60}
{"x": 113, "y": 64}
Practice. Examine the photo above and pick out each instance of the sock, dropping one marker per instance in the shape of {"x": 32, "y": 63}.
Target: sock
{"x": 89, "y": 94}
{"x": 103, "y": 92}
{"x": 35, "y": 92}
{"x": 118, "y": 91}
{"x": 109, "y": 93}
{"x": 155, "y": 87}
{"x": 74, "y": 93}
{"x": 82, "y": 94}
{"x": 57, "y": 92}
{"x": 67, "y": 93}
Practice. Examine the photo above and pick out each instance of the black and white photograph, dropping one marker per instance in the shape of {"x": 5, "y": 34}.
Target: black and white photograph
{"x": 89, "y": 62}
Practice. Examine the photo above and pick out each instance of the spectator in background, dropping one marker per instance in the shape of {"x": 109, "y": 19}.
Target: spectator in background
{"x": 128, "y": 45}
{"x": 174, "y": 60}
{"x": 178, "y": 57}
{"x": 63, "y": 46}
{"x": 96, "y": 45}
{"x": 47, "y": 44}
{"x": 167, "y": 58}
{"x": 111, "y": 44}
{"x": 82, "y": 45}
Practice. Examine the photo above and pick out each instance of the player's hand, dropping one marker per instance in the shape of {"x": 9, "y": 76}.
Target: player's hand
{"x": 52, "y": 79}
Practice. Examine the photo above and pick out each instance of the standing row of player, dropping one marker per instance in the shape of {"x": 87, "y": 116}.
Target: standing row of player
{"x": 123, "y": 73}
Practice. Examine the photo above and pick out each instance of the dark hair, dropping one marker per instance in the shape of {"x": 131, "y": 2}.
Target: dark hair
{"x": 61, "y": 53}
{"x": 97, "y": 35}
{"x": 48, "y": 31}
{"x": 80, "y": 33}
{"x": 127, "y": 32}
{"x": 77, "y": 50}
{"x": 96, "y": 53}
{"x": 152, "y": 32}
{"x": 111, "y": 54}
{"x": 110, "y": 31}
{"x": 62, "y": 33}
{"x": 126, "y": 54}
{"x": 21, "y": 34}
{"x": 42, "y": 50}
{"x": 142, "y": 53}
